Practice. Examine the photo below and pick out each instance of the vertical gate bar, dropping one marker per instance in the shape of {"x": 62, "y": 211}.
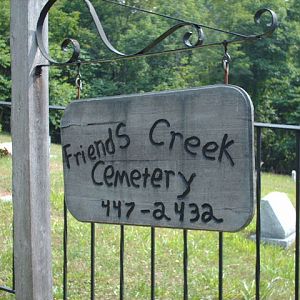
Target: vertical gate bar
{"x": 92, "y": 261}
{"x": 226, "y": 61}
{"x": 185, "y": 264}
{"x": 152, "y": 263}
{"x": 220, "y": 265}
{"x": 258, "y": 221}
{"x": 297, "y": 215}
{"x": 65, "y": 249}
{"x": 13, "y": 262}
{"x": 122, "y": 234}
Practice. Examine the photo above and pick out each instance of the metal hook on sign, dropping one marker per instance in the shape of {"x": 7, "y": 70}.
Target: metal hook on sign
{"x": 226, "y": 60}
{"x": 78, "y": 80}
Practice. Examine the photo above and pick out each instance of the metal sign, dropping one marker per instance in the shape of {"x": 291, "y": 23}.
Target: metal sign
{"x": 181, "y": 159}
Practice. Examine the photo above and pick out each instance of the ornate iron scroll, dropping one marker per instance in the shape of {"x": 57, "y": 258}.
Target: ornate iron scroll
{"x": 236, "y": 37}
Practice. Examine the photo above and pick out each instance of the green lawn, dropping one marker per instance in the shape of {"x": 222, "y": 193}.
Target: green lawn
{"x": 277, "y": 268}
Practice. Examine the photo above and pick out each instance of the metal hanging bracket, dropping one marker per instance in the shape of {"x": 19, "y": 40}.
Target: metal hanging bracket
{"x": 78, "y": 80}
{"x": 226, "y": 60}
{"x": 146, "y": 51}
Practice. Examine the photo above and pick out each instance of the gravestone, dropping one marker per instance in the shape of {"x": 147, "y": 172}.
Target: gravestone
{"x": 278, "y": 220}
{"x": 294, "y": 175}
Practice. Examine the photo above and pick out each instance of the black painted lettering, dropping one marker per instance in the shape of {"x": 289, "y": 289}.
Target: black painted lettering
{"x": 97, "y": 144}
{"x": 100, "y": 162}
{"x": 117, "y": 206}
{"x": 160, "y": 212}
{"x": 157, "y": 176}
{"x": 109, "y": 173}
{"x": 67, "y": 155}
{"x": 91, "y": 152}
{"x": 208, "y": 215}
{"x": 145, "y": 175}
{"x": 191, "y": 142}
{"x": 107, "y": 206}
{"x": 131, "y": 206}
{"x": 76, "y": 157}
{"x": 120, "y": 176}
{"x": 179, "y": 210}
{"x": 153, "y": 142}
{"x": 109, "y": 143}
{"x": 122, "y": 136}
{"x": 187, "y": 183}
{"x": 135, "y": 175}
{"x": 208, "y": 148}
{"x": 224, "y": 149}
{"x": 194, "y": 211}
{"x": 83, "y": 155}
{"x": 168, "y": 173}
{"x": 174, "y": 134}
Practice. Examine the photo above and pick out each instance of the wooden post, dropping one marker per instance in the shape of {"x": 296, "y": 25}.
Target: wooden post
{"x": 30, "y": 132}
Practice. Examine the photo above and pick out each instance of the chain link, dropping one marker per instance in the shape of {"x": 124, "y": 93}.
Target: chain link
{"x": 78, "y": 81}
{"x": 225, "y": 62}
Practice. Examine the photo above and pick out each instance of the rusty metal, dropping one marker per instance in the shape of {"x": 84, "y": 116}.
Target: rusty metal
{"x": 147, "y": 50}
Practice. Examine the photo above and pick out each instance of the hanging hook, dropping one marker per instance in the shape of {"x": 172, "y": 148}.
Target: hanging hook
{"x": 226, "y": 60}
{"x": 78, "y": 80}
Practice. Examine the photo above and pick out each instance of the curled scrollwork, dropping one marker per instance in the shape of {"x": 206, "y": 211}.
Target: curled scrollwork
{"x": 40, "y": 40}
{"x": 187, "y": 41}
{"x": 200, "y": 38}
{"x": 271, "y": 26}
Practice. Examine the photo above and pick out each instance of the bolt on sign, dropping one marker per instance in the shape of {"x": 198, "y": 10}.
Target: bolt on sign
{"x": 180, "y": 159}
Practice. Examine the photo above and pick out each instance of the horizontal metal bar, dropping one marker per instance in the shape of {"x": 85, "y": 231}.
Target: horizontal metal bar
{"x": 131, "y": 57}
{"x": 56, "y": 107}
{"x": 256, "y": 124}
{"x": 51, "y": 107}
{"x": 3, "y": 103}
{"x": 277, "y": 126}
{"x": 8, "y": 290}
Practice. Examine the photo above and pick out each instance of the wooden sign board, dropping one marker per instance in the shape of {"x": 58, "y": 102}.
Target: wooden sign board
{"x": 181, "y": 159}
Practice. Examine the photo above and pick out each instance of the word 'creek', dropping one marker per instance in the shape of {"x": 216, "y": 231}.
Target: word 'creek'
{"x": 106, "y": 174}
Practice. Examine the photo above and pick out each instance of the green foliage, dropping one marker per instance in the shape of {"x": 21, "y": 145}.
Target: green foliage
{"x": 4, "y": 51}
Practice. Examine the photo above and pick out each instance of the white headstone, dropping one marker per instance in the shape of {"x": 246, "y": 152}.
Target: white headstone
{"x": 278, "y": 219}
{"x": 294, "y": 175}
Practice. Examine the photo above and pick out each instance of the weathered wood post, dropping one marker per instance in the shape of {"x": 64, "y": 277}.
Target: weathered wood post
{"x": 30, "y": 131}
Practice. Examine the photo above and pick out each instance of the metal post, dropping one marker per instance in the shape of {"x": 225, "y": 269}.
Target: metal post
{"x": 30, "y": 133}
{"x": 297, "y": 250}
{"x": 258, "y": 219}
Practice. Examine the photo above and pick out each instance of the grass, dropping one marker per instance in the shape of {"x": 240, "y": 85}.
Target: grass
{"x": 277, "y": 264}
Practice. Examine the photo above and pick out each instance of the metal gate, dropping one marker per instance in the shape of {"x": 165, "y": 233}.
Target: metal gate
{"x": 260, "y": 127}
